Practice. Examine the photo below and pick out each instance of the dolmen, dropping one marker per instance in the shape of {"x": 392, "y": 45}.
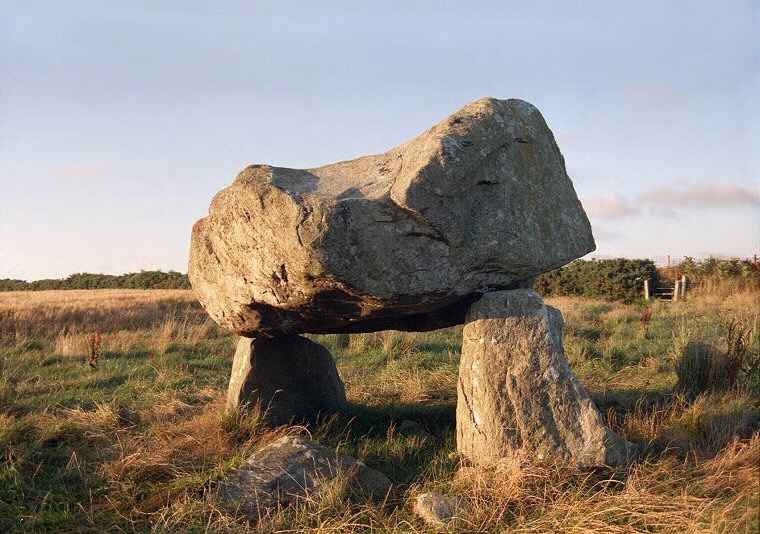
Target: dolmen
{"x": 449, "y": 228}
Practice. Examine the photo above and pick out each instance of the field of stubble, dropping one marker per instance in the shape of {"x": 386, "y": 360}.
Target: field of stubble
{"x": 129, "y": 439}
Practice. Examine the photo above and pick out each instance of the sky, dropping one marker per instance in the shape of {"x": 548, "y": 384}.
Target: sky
{"x": 120, "y": 120}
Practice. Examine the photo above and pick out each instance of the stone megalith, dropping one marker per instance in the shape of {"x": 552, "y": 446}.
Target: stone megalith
{"x": 405, "y": 240}
{"x": 291, "y": 377}
{"x": 411, "y": 239}
{"x": 517, "y": 397}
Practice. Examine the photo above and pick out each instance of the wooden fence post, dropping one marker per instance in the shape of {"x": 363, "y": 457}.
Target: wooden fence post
{"x": 683, "y": 286}
{"x": 676, "y": 290}
{"x": 646, "y": 289}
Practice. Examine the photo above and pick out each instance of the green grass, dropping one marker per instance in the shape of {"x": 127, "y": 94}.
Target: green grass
{"x": 134, "y": 443}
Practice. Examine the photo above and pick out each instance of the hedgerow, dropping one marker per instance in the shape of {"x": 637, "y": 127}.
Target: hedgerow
{"x": 141, "y": 280}
{"x": 616, "y": 279}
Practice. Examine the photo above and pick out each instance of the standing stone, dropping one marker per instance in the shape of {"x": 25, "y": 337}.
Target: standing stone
{"x": 291, "y": 377}
{"x": 517, "y": 397}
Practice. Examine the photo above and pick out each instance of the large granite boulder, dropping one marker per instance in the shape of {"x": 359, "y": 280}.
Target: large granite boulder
{"x": 518, "y": 398}
{"x": 404, "y": 240}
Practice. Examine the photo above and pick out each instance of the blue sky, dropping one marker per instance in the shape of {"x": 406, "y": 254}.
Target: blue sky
{"x": 119, "y": 121}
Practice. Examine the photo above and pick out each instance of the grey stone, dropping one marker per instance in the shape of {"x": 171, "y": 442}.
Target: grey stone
{"x": 291, "y": 377}
{"x": 404, "y": 240}
{"x": 437, "y": 509}
{"x": 294, "y": 468}
{"x": 407, "y": 427}
{"x": 517, "y": 397}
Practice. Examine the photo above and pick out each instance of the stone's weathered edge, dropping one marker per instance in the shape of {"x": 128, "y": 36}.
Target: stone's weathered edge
{"x": 517, "y": 397}
{"x": 442, "y": 314}
{"x": 402, "y": 240}
{"x": 291, "y": 378}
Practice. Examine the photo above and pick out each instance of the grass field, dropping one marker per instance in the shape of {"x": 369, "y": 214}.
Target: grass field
{"x": 130, "y": 441}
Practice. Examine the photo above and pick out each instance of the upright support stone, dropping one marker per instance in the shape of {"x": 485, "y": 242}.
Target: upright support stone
{"x": 517, "y": 397}
{"x": 291, "y": 377}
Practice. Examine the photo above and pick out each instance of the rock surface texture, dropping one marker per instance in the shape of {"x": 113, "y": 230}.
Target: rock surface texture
{"x": 437, "y": 509}
{"x": 291, "y": 377}
{"x": 517, "y": 397}
{"x": 292, "y": 468}
{"x": 404, "y": 240}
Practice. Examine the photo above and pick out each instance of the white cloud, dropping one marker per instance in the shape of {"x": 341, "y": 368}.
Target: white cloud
{"x": 604, "y": 234}
{"x": 83, "y": 170}
{"x": 609, "y": 206}
{"x": 662, "y": 201}
{"x": 704, "y": 195}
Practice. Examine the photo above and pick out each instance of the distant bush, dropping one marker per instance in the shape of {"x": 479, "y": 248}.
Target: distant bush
{"x": 141, "y": 280}
{"x": 711, "y": 272}
{"x": 617, "y": 279}
{"x": 8, "y": 284}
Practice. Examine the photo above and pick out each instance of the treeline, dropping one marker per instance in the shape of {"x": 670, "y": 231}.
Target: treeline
{"x": 622, "y": 279}
{"x": 141, "y": 280}
{"x": 617, "y": 279}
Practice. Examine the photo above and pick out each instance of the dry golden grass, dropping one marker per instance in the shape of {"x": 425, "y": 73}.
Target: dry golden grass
{"x": 721, "y": 288}
{"x": 46, "y": 314}
{"x": 409, "y": 386}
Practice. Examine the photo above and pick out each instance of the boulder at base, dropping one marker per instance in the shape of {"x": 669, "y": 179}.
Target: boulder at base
{"x": 294, "y": 468}
{"x": 291, "y": 377}
{"x": 517, "y": 397}
{"x": 405, "y": 240}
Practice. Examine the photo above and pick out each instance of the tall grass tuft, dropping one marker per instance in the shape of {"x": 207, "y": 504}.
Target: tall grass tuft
{"x": 700, "y": 367}
{"x": 644, "y": 320}
{"x": 94, "y": 341}
{"x": 397, "y": 344}
{"x": 363, "y": 342}
{"x": 738, "y": 335}
{"x": 703, "y": 367}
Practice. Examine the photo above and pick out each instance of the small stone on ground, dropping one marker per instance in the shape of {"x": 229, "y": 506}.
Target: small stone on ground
{"x": 437, "y": 509}
{"x": 407, "y": 427}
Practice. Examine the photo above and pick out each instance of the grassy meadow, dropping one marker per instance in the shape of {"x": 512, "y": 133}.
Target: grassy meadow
{"x": 111, "y": 419}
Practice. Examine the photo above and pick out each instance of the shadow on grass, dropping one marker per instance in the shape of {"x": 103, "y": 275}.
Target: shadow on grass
{"x": 439, "y": 347}
{"x": 364, "y": 432}
{"x": 626, "y": 400}
{"x": 375, "y": 420}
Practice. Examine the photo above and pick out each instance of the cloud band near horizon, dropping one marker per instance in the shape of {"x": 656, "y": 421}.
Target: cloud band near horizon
{"x": 663, "y": 200}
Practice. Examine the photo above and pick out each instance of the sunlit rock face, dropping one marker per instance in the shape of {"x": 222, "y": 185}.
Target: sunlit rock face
{"x": 404, "y": 240}
{"x": 517, "y": 397}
